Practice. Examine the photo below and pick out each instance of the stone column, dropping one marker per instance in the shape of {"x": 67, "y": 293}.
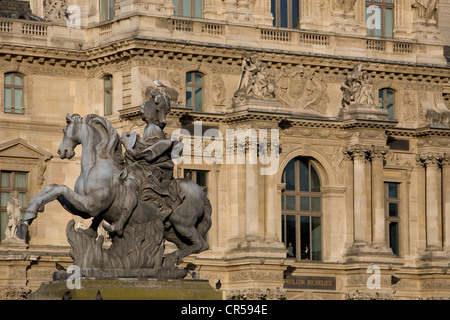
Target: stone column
{"x": 272, "y": 210}
{"x": 378, "y": 212}
{"x": 360, "y": 196}
{"x": 446, "y": 199}
{"x": 432, "y": 200}
{"x": 348, "y": 176}
{"x": 251, "y": 201}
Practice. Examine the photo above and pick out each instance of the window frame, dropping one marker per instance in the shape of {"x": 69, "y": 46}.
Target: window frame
{"x": 193, "y": 85}
{"x": 104, "y": 6}
{"x": 383, "y": 102}
{"x": 13, "y": 88}
{"x": 383, "y": 5}
{"x": 300, "y": 213}
{"x": 178, "y": 11}
{"x": 392, "y": 219}
{"x": 276, "y": 13}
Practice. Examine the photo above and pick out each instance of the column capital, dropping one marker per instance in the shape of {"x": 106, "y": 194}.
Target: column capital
{"x": 378, "y": 152}
{"x": 445, "y": 161}
{"x": 429, "y": 158}
{"x": 357, "y": 151}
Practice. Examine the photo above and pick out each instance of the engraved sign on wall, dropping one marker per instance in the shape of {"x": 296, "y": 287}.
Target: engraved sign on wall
{"x": 310, "y": 282}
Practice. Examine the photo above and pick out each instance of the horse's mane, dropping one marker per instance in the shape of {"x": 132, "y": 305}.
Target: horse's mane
{"x": 110, "y": 145}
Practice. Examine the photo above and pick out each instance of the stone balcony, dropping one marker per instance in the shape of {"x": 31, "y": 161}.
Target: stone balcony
{"x": 218, "y": 33}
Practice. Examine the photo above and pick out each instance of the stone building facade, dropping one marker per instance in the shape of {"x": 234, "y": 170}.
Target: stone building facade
{"x": 359, "y": 206}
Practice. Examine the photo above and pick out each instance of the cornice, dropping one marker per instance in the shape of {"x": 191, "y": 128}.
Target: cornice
{"x": 286, "y": 121}
{"x": 215, "y": 54}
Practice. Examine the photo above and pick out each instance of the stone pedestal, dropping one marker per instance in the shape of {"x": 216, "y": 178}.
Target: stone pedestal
{"x": 363, "y": 111}
{"x": 128, "y": 289}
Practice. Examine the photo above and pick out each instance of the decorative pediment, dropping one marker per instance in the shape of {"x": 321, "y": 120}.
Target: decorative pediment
{"x": 19, "y": 148}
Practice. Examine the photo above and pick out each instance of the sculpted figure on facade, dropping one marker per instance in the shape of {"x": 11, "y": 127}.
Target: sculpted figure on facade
{"x": 301, "y": 88}
{"x": 345, "y": 5}
{"x": 357, "y": 88}
{"x": 13, "y": 209}
{"x": 55, "y": 10}
{"x": 135, "y": 193}
{"x": 426, "y": 9}
{"x": 254, "y": 81}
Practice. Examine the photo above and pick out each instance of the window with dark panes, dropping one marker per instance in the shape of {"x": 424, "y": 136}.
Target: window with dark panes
{"x": 194, "y": 90}
{"x": 188, "y": 8}
{"x": 386, "y": 100}
{"x": 380, "y": 18}
{"x": 301, "y": 207}
{"x": 13, "y": 93}
{"x": 392, "y": 209}
{"x": 286, "y": 13}
{"x": 106, "y": 10}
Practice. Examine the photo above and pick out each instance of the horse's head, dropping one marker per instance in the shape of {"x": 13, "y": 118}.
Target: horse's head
{"x": 155, "y": 110}
{"x": 71, "y": 137}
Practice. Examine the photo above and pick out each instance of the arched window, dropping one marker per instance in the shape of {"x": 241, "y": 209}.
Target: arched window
{"x": 194, "y": 90}
{"x": 188, "y": 8}
{"x": 108, "y": 94}
{"x": 386, "y": 100}
{"x": 380, "y": 18}
{"x": 13, "y": 93}
{"x": 286, "y": 13}
{"x": 301, "y": 207}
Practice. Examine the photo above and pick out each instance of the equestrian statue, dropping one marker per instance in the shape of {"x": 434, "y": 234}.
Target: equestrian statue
{"x": 134, "y": 192}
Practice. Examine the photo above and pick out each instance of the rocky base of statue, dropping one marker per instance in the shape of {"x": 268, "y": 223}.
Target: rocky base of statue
{"x": 127, "y": 289}
{"x": 138, "y": 253}
{"x": 363, "y": 111}
{"x": 145, "y": 273}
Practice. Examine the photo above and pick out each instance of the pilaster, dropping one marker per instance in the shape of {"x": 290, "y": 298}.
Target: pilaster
{"x": 377, "y": 154}
{"x": 431, "y": 162}
{"x": 445, "y": 163}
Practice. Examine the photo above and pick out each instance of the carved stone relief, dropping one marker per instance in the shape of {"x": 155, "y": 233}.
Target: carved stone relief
{"x": 433, "y": 109}
{"x": 54, "y": 10}
{"x": 218, "y": 90}
{"x": 301, "y": 88}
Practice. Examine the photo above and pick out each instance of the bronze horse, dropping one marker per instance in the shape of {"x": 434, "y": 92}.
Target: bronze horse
{"x": 104, "y": 192}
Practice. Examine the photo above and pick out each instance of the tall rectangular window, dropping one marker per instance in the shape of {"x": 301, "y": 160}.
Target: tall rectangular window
{"x": 10, "y": 182}
{"x": 108, "y": 92}
{"x": 188, "y": 8}
{"x": 286, "y": 13}
{"x": 194, "y": 90}
{"x": 301, "y": 208}
{"x": 106, "y": 10}
{"x": 13, "y": 93}
{"x": 392, "y": 209}
{"x": 380, "y": 18}
{"x": 386, "y": 100}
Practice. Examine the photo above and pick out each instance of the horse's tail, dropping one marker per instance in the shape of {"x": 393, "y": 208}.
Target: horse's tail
{"x": 206, "y": 222}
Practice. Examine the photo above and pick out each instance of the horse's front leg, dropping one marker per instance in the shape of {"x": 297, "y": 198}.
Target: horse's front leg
{"x": 127, "y": 204}
{"x": 64, "y": 195}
